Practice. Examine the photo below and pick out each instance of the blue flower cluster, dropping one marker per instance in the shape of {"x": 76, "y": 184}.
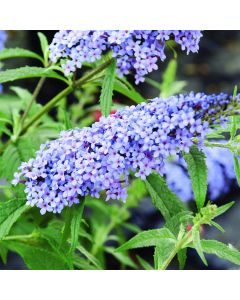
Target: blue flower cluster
{"x": 134, "y": 50}
{"x": 3, "y": 37}
{"x": 100, "y": 158}
{"x": 221, "y": 174}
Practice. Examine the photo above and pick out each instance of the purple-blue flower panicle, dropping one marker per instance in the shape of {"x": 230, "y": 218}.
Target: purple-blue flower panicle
{"x": 134, "y": 50}
{"x": 136, "y": 139}
{"x": 3, "y": 37}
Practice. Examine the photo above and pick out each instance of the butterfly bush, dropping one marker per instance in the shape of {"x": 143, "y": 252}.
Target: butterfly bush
{"x": 3, "y": 37}
{"x": 221, "y": 174}
{"x": 136, "y": 139}
{"x": 134, "y": 50}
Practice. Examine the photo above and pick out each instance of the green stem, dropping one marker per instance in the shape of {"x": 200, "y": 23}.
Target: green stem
{"x": 178, "y": 247}
{"x": 219, "y": 145}
{"x": 34, "y": 96}
{"x": 19, "y": 237}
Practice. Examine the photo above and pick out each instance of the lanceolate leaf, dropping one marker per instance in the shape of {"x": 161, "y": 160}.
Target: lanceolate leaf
{"x": 123, "y": 87}
{"x": 121, "y": 257}
{"x": 163, "y": 198}
{"x": 75, "y": 224}
{"x": 237, "y": 168}
{"x": 10, "y": 211}
{"x": 162, "y": 252}
{"x": 23, "y": 94}
{"x": 197, "y": 244}
{"x": 148, "y": 238}
{"x": 144, "y": 263}
{"x": 82, "y": 263}
{"x": 38, "y": 257}
{"x": 18, "y": 52}
{"x": 44, "y": 44}
{"x": 221, "y": 250}
{"x": 233, "y": 130}
{"x": 222, "y": 209}
{"x": 107, "y": 89}
{"x": 198, "y": 173}
{"x": 28, "y": 72}
{"x": 90, "y": 257}
{"x": 168, "y": 78}
{"x": 53, "y": 236}
{"x": 14, "y": 154}
{"x": 182, "y": 256}
{"x": 3, "y": 253}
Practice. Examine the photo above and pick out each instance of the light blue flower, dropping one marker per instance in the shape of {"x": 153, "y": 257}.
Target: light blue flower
{"x": 99, "y": 159}
{"x": 136, "y": 51}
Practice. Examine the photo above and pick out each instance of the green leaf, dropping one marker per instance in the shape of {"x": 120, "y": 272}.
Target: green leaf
{"x": 23, "y": 94}
{"x": 182, "y": 257}
{"x": 3, "y": 253}
{"x": 29, "y": 72}
{"x": 233, "y": 129}
{"x": 8, "y": 103}
{"x": 197, "y": 244}
{"x": 153, "y": 83}
{"x": 82, "y": 263}
{"x": 122, "y": 86}
{"x": 136, "y": 192}
{"x": 5, "y": 118}
{"x": 169, "y": 85}
{"x": 221, "y": 250}
{"x": 235, "y": 91}
{"x": 168, "y": 78}
{"x": 77, "y": 212}
{"x": 177, "y": 87}
{"x": 197, "y": 170}
{"x": 16, "y": 153}
{"x": 121, "y": 257}
{"x": 219, "y": 227}
{"x": 67, "y": 226}
{"x": 222, "y": 209}
{"x": 90, "y": 257}
{"x": 214, "y": 135}
{"x": 107, "y": 89}
{"x": 38, "y": 257}
{"x": 10, "y": 211}
{"x": 4, "y": 129}
{"x": 236, "y": 168}
{"x": 148, "y": 238}
{"x": 18, "y": 52}
{"x": 162, "y": 252}
{"x": 131, "y": 227}
{"x": 44, "y": 45}
{"x": 53, "y": 236}
{"x": 144, "y": 263}
{"x": 163, "y": 198}
{"x": 9, "y": 162}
